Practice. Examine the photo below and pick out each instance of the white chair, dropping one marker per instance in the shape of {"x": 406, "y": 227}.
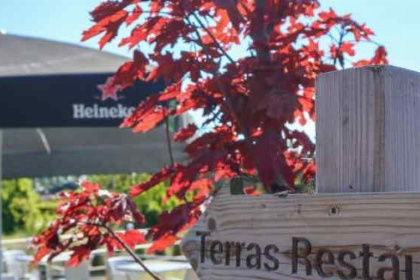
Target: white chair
{"x": 7, "y": 276}
{"x": 18, "y": 269}
{"x": 80, "y": 272}
{"x": 190, "y": 275}
{"x": 113, "y": 263}
{"x": 95, "y": 268}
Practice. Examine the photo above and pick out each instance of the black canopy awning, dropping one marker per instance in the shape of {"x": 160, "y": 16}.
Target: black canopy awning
{"x": 54, "y": 120}
{"x": 66, "y": 100}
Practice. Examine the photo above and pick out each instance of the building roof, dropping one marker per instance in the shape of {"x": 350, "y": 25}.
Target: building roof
{"x": 34, "y": 56}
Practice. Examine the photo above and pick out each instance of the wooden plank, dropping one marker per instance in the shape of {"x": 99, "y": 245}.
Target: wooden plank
{"x": 368, "y": 130}
{"x": 386, "y": 223}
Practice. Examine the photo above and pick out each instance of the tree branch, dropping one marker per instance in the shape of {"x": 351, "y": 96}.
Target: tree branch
{"x": 168, "y": 141}
{"x": 131, "y": 252}
{"x": 242, "y": 128}
{"x": 211, "y": 36}
{"x": 216, "y": 74}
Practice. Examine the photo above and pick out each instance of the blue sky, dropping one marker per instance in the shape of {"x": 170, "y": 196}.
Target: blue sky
{"x": 396, "y": 23}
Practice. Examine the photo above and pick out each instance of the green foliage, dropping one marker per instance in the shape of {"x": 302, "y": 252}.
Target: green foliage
{"x": 151, "y": 203}
{"x": 20, "y": 207}
{"x": 24, "y": 211}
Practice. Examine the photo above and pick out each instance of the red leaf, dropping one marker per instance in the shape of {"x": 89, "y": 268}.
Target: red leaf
{"x": 135, "y": 14}
{"x": 232, "y": 10}
{"x": 142, "y": 31}
{"x": 143, "y": 109}
{"x": 171, "y": 92}
{"x": 162, "y": 243}
{"x": 138, "y": 217}
{"x": 137, "y": 35}
{"x": 203, "y": 187}
{"x": 109, "y": 25}
{"x": 150, "y": 120}
{"x": 185, "y": 133}
{"x": 108, "y": 8}
{"x": 251, "y": 191}
{"x": 80, "y": 254}
{"x": 380, "y": 56}
{"x": 176, "y": 220}
{"x": 348, "y": 48}
{"x": 180, "y": 219}
{"x": 90, "y": 187}
{"x": 132, "y": 238}
{"x": 155, "y": 7}
{"x": 136, "y": 236}
{"x": 378, "y": 59}
{"x": 110, "y": 247}
{"x": 361, "y": 63}
{"x": 325, "y": 16}
{"x": 307, "y": 103}
{"x": 157, "y": 178}
{"x": 131, "y": 71}
{"x": 40, "y": 254}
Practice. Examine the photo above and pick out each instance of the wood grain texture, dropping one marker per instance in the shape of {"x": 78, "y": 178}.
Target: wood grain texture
{"x": 388, "y": 222}
{"x": 368, "y": 130}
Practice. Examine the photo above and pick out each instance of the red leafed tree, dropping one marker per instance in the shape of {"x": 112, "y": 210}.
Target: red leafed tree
{"x": 87, "y": 217}
{"x": 249, "y": 66}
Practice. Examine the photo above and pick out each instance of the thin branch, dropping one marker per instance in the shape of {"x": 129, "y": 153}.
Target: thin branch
{"x": 168, "y": 141}
{"x": 244, "y": 130}
{"x": 262, "y": 55}
{"x": 332, "y": 37}
{"x": 131, "y": 252}
{"x": 370, "y": 41}
{"x": 340, "y": 42}
{"x": 220, "y": 85}
{"x": 212, "y": 37}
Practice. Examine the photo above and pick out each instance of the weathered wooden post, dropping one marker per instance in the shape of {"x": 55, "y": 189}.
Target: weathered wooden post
{"x": 368, "y": 130}
{"x": 364, "y": 220}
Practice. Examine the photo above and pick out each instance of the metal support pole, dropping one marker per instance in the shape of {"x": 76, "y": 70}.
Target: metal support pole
{"x": 1, "y": 210}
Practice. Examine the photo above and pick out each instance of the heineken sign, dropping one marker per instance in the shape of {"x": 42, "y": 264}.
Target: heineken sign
{"x": 73, "y": 100}
{"x": 81, "y": 111}
{"x": 323, "y": 236}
